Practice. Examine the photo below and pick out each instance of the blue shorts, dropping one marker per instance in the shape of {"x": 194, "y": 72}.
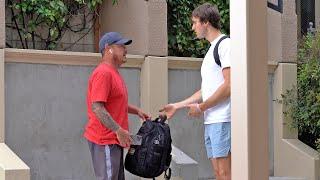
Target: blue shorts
{"x": 217, "y": 138}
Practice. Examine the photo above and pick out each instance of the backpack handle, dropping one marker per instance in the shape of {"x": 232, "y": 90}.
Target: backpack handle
{"x": 161, "y": 118}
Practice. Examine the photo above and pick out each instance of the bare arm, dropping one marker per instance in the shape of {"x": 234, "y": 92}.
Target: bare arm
{"x": 105, "y": 118}
{"x": 135, "y": 110}
{"x": 221, "y": 94}
{"x": 171, "y": 109}
{"x": 196, "y": 97}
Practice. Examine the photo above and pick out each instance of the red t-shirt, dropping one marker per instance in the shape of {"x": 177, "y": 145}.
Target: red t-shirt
{"x": 106, "y": 85}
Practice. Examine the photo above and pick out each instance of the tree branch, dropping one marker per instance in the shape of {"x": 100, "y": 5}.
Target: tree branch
{"x": 79, "y": 39}
{"x": 24, "y": 25}
{"x": 15, "y": 22}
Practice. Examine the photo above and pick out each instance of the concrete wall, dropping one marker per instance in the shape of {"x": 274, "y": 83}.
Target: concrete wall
{"x": 45, "y": 104}
{"x": 2, "y": 24}
{"x": 188, "y": 132}
{"x": 143, "y": 21}
{"x": 274, "y": 36}
{"x": 289, "y": 31}
{"x": 45, "y": 116}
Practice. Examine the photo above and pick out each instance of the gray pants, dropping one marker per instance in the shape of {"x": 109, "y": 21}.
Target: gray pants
{"x": 107, "y": 161}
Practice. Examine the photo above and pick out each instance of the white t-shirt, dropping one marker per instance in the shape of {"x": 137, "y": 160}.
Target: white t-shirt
{"x": 212, "y": 79}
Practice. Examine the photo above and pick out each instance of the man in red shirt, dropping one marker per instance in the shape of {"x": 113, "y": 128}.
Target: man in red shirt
{"x": 108, "y": 108}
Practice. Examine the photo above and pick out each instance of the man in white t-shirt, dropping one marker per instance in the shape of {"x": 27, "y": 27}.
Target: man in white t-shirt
{"x": 213, "y": 99}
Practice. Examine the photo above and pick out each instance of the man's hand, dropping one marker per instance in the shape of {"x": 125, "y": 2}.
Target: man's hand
{"x": 169, "y": 110}
{"x": 194, "y": 110}
{"x": 143, "y": 116}
{"x": 137, "y": 111}
{"x": 123, "y": 137}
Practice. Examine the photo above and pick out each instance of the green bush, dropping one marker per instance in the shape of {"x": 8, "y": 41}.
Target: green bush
{"x": 47, "y": 21}
{"x": 181, "y": 39}
{"x": 303, "y": 101}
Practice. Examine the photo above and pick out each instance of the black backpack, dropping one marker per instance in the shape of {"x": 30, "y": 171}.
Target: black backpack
{"x": 215, "y": 51}
{"x": 153, "y": 156}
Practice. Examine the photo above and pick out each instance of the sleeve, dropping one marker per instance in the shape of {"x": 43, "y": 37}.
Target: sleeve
{"x": 101, "y": 87}
{"x": 224, "y": 53}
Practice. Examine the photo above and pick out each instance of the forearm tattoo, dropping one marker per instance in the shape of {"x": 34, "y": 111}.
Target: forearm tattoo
{"x": 102, "y": 114}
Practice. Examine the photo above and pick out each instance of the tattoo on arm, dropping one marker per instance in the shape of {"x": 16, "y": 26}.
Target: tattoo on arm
{"x": 102, "y": 114}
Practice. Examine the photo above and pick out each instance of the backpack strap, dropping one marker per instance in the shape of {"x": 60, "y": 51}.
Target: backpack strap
{"x": 215, "y": 51}
{"x": 167, "y": 174}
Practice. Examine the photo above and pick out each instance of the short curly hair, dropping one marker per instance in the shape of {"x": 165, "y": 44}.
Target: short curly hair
{"x": 208, "y": 13}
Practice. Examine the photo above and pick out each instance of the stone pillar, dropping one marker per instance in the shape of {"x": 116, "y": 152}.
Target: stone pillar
{"x": 154, "y": 84}
{"x": 249, "y": 90}
{"x": 143, "y": 21}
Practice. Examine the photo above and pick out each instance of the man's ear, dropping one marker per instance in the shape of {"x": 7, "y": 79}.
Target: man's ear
{"x": 108, "y": 48}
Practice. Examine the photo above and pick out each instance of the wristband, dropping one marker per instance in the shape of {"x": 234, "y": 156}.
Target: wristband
{"x": 198, "y": 107}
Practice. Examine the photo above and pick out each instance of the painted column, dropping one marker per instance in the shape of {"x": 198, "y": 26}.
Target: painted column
{"x": 154, "y": 84}
{"x": 249, "y": 90}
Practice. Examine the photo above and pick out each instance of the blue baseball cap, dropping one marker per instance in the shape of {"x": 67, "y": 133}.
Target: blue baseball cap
{"x": 112, "y": 38}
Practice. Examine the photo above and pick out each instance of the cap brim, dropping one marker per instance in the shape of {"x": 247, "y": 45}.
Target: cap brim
{"x": 124, "y": 42}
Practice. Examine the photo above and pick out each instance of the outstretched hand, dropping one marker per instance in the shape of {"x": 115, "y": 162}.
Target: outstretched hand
{"x": 169, "y": 110}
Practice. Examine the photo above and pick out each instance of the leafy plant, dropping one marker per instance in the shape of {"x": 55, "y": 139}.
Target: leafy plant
{"x": 181, "y": 39}
{"x": 48, "y": 20}
{"x": 303, "y": 101}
